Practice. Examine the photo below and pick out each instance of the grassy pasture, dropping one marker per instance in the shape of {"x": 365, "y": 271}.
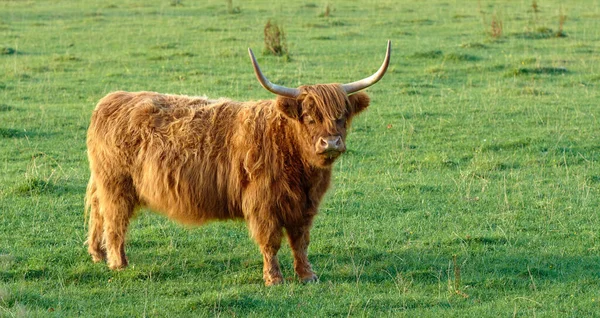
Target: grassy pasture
{"x": 470, "y": 188}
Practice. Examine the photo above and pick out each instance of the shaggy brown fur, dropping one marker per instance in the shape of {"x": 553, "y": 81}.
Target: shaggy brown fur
{"x": 196, "y": 160}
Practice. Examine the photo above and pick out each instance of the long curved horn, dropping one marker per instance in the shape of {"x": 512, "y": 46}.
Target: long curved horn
{"x": 273, "y": 88}
{"x": 366, "y": 82}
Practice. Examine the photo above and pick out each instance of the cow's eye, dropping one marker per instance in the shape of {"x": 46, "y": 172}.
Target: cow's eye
{"x": 308, "y": 119}
{"x": 340, "y": 120}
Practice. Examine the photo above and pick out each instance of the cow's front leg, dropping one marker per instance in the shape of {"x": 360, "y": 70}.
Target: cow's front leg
{"x": 299, "y": 240}
{"x": 268, "y": 236}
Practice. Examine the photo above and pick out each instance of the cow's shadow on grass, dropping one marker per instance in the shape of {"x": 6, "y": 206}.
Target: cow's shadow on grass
{"x": 483, "y": 262}
{"x": 487, "y": 269}
{"x": 428, "y": 266}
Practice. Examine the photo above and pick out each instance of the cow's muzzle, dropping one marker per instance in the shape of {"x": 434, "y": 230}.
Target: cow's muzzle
{"x": 331, "y": 145}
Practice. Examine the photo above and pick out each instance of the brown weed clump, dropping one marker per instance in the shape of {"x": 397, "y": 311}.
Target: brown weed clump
{"x": 275, "y": 42}
{"x": 327, "y": 12}
{"x": 231, "y": 9}
{"x": 562, "y": 18}
{"x": 496, "y": 27}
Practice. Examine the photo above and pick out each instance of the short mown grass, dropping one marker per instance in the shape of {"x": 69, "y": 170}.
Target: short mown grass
{"x": 470, "y": 187}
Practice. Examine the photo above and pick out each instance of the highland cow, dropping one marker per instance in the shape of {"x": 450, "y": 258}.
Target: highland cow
{"x": 195, "y": 160}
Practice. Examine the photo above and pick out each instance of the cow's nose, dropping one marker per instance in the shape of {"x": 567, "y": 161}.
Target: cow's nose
{"x": 331, "y": 143}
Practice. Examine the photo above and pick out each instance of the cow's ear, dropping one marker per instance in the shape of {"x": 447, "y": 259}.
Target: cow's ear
{"x": 358, "y": 102}
{"x": 288, "y": 106}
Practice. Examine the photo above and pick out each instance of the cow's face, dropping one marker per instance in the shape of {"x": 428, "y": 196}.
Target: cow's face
{"x": 322, "y": 114}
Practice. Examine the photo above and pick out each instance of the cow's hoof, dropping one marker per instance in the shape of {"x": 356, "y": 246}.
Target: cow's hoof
{"x": 273, "y": 281}
{"x": 97, "y": 256}
{"x": 117, "y": 266}
{"x": 310, "y": 279}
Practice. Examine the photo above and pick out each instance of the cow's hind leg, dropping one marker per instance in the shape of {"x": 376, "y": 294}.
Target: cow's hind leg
{"x": 299, "y": 239}
{"x": 117, "y": 203}
{"x": 268, "y": 236}
{"x": 95, "y": 230}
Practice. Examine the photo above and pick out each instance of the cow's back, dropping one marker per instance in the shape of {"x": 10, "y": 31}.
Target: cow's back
{"x": 176, "y": 150}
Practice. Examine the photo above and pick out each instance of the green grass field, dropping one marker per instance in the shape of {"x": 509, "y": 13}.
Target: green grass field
{"x": 470, "y": 188}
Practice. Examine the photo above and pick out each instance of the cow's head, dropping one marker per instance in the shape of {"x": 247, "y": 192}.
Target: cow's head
{"x": 322, "y": 113}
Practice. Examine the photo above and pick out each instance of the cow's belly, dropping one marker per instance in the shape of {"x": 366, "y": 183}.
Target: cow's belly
{"x": 189, "y": 211}
{"x": 185, "y": 201}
